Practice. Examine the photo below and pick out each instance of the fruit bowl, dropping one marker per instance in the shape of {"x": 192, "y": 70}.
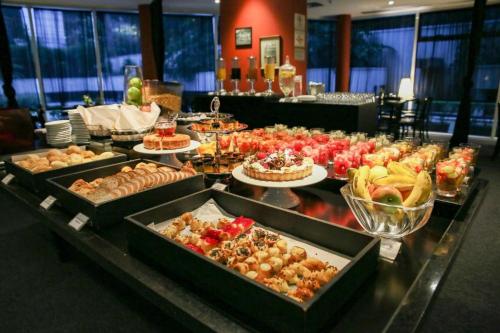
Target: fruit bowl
{"x": 387, "y": 220}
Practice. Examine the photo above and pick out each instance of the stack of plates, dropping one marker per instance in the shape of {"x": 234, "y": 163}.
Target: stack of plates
{"x": 58, "y": 133}
{"x": 79, "y": 131}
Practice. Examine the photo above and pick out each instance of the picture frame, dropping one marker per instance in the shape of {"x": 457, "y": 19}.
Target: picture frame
{"x": 299, "y": 38}
{"x": 270, "y": 46}
{"x": 299, "y": 22}
{"x": 243, "y": 37}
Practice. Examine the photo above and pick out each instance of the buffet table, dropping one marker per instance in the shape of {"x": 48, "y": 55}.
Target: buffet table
{"x": 393, "y": 299}
{"x": 260, "y": 111}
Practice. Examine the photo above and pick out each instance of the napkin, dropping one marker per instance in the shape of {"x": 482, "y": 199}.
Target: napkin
{"x": 130, "y": 117}
{"x": 119, "y": 117}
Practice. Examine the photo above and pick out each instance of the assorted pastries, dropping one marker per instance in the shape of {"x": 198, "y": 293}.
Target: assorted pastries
{"x": 129, "y": 181}
{"x": 278, "y": 166}
{"x": 258, "y": 254}
{"x": 57, "y": 158}
{"x": 217, "y": 125}
{"x": 157, "y": 142}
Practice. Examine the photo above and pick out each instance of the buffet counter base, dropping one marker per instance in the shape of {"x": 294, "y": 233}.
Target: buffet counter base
{"x": 393, "y": 299}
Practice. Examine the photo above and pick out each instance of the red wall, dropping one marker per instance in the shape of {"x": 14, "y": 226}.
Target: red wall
{"x": 267, "y": 18}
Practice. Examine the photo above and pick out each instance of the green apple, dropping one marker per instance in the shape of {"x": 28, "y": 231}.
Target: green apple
{"x": 135, "y": 82}
{"x": 388, "y": 195}
{"x": 134, "y": 94}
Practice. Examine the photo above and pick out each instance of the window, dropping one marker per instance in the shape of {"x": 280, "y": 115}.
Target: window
{"x": 119, "y": 45}
{"x": 16, "y": 22}
{"x": 67, "y": 56}
{"x": 321, "y": 57}
{"x": 381, "y": 53}
{"x": 189, "y": 51}
{"x": 442, "y": 53}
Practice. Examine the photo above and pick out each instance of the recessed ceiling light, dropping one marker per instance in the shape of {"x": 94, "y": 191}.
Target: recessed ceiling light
{"x": 390, "y": 2}
{"x": 217, "y": 1}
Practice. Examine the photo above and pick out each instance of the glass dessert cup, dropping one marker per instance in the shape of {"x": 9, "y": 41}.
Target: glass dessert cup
{"x": 386, "y": 220}
{"x": 450, "y": 175}
{"x": 341, "y": 163}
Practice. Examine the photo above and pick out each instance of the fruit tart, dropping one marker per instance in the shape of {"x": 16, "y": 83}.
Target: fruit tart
{"x": 278, "y": 166}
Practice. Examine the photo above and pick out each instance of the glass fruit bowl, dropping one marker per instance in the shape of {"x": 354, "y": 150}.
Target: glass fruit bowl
{"x": 386, "y": 220}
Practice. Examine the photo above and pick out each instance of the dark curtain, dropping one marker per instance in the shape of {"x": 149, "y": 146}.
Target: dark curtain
{"x": 23, "y": 71}
{"x": 189, "y": 51}
{"x": 67, "y": 56}
{"x": 119, "y": 43}
{"x": 442, "y": 54}
{"x": 442, "y": 62}
{"x": 381, "y": 53}
{"x": 321, "y": 56}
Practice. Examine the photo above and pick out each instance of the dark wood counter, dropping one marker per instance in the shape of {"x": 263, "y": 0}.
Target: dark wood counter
{"x": 266, "y": 111}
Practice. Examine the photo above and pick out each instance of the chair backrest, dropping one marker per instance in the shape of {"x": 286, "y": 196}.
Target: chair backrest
{"x": 16, "y": 131}
{"x": 425, "y": 109}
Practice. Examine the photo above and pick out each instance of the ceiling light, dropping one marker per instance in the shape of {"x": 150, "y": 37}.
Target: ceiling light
{"x": 390, "y": 2}
{"x": 218, "y": 1}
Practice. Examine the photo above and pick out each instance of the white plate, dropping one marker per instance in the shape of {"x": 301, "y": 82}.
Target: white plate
{"x": 57, "y": 123}
{"x": 318, "y": 174}
{"x": 140, "y": 149}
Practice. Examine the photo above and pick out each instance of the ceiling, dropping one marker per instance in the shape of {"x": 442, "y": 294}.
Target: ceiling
{"x": 326, "y": 8}
{"x": 374, "y": 8}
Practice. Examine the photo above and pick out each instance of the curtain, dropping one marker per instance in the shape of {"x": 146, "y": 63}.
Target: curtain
{"x": 189, "y": 51}
{"x": 119, "y": 44}
{"x": 441, "y": 63}
{"x": 487, "y": 74}
{"x": 321, "y": 57}
{"x": 22, "y": 62}
{"x": 381, "y": 53}
{"x": 67, "y": 56}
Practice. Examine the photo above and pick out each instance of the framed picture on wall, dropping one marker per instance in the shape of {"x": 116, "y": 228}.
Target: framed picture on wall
{"x": 270, "y": 46}
{"x": 243, "y": 37}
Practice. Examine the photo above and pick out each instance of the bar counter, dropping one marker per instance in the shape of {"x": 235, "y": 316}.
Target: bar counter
{"x": 394, "y": 299}
{"x": 260, "y": 111}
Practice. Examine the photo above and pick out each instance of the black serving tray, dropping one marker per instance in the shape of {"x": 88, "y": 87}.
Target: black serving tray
{"x": 113, "y": 211}
{"x": 271, "y": 310}
{"x": 37, "y": 181}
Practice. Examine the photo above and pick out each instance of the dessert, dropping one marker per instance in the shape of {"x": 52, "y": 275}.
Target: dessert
{"x": 217, "y": 125}
{"x": 450, "y": 175}
{"x": 278, "y": 166}
{"x": 254, "y": 252}
{"x": 60, "y": 158}
{"x": 157, "y": 142}
{"x": 129, "y": 181}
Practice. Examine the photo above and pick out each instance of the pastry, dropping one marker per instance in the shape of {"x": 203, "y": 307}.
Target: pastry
{"x": 258, "y": 254}
{"x": 156, "y": 142}
{"x": 56, "y": 159}
{"x": 278, "y": 166}
{"x": 124, "y": 183}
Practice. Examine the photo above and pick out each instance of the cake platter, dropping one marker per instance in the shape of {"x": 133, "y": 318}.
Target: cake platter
{"x": 279, "y": 193}
{"x": 169, "y": 154}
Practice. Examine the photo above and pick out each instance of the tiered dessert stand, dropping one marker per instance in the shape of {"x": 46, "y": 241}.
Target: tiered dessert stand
{"x": 169, "y": 155}
{"x": 214, "y": 108}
